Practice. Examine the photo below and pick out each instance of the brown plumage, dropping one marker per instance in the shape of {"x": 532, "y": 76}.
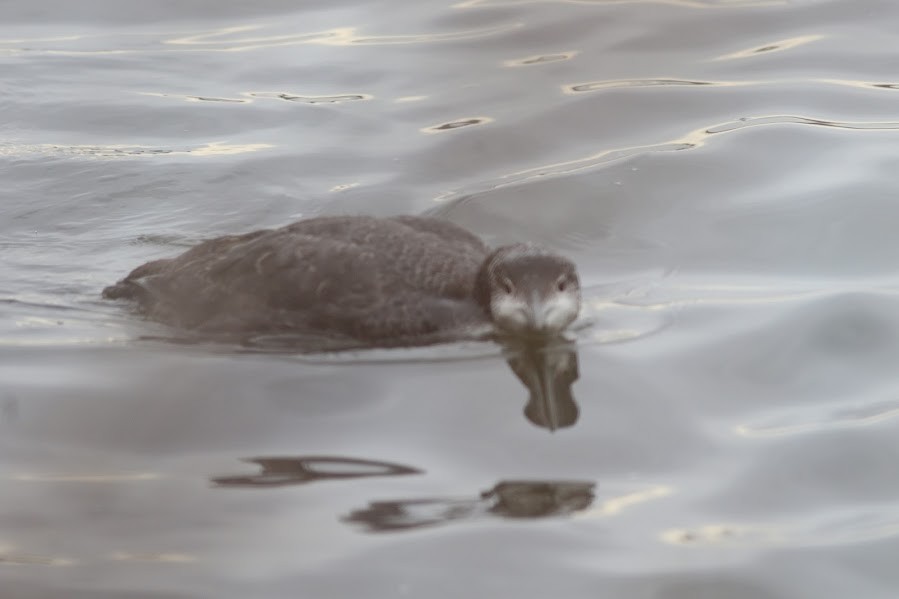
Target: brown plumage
{"x": 375, "y": 281}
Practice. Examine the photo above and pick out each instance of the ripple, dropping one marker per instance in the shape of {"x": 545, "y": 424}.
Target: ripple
{"x": 693, "y": 139}
{"x": 775, "y": 291}
{"x": 224, "y": 39}
{"x": 196, "y": 98}
{"x": 618, "y": 320}
{"x": 9, "y": 557}
{"x": 86, "y": 478}
{"x": 221, "y": 40}
{"x": 229, "y": 39}
{"x": 859, "y": 524}
{"x": 406, "y": 99}
{"x": 722, "y": 534}
{"x": 856, "y": 83}
{"x": 250, "y": 96}
{"x": 618, "y": 83}
{"x": 123, "y": 151}
{"x": 839, "y": 418}
{"x": 540, "y": 59}
{"x": 778, "y": 46}
{"x": 563, "y": 168}
{"x": 207, "y": 99}
{"x": 592, "y": 86}
{"x": 615, "y": 505}
{"x": 163, "y": 558}
{"x": 457, "y": 124}
{"x": 433, "y": 37}
{"x": 800, "y": 120}
{"x": 336, "y": 99}
{"x": 700, "y": 4}
{"x": 862, "y": 524}
{"x": 344, "y": 186}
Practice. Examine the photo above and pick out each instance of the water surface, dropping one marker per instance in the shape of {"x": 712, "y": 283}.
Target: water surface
{"x": 721, "y": 171}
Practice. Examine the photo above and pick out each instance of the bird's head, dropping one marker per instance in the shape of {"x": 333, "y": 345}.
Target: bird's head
{"x": 528, "y": 290}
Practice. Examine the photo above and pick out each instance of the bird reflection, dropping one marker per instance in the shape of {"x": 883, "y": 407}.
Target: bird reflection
{"x": 279, "y": 472}
{"x": 508, "y": 500}
{"x": 548, "y": 370}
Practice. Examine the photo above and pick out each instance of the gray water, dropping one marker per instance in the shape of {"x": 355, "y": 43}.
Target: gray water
{"x": 722, "y": 171}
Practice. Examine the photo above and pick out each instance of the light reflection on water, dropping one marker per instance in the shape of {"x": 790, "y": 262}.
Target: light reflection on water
{"x": 117, "y": 151}
{"x": 232, "y": 39}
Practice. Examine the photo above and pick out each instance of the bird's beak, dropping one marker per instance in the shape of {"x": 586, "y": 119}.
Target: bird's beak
{"x": 537, "y": 309}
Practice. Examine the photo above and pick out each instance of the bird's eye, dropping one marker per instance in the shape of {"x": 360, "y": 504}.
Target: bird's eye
{"x": 562, "y": 284}
{"x": 506, "y": 285}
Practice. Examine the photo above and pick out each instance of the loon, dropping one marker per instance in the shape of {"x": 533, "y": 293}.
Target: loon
{"x": 368, "y": 281}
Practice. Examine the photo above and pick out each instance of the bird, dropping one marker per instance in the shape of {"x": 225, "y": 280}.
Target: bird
{"x": 359, "y": 281}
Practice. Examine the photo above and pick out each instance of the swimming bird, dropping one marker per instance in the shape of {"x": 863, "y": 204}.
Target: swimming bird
{"x": 359, "y": 281}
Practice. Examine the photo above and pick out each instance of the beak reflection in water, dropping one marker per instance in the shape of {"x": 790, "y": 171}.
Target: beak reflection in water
{"x": 548, "y": 370}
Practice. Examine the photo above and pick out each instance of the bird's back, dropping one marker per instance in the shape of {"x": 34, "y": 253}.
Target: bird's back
{"x": 366, "y": 278}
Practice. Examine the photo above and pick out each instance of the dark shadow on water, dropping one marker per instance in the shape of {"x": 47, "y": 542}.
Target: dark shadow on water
{"x": 285, "y": 471}
{"x": 507, "y": 500}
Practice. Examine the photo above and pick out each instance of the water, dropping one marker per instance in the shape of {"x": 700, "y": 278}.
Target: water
{"x": 722, "y": 172}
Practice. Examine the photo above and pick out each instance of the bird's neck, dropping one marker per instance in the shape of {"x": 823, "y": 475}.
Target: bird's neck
{"x": 482, "y": 287}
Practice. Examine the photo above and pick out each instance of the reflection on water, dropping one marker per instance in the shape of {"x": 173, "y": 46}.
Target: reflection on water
{"x": 508, "y": 499}
{"x": 277, "y": 472}
{"x": 747, "y": 415}
{"x": 548, "y": 371}
{"x": 547, "y": 368}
